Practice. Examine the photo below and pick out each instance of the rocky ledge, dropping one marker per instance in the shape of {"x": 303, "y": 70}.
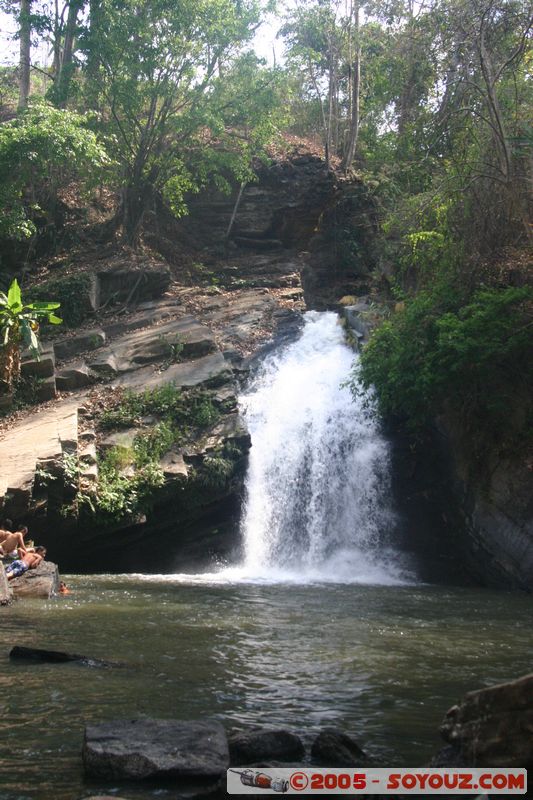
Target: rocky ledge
{"x": 177, "y": 361}
{"x": 41, "y": 582}
{"x": 490, "y": 728}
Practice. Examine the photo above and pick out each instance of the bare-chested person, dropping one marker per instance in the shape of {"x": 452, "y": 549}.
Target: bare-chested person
{"x": 10, "y": 542}
{"x": 25, "y": 562}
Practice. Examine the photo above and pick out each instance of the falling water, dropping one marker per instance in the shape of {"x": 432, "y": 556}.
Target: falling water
{"x": 317, "y": 493}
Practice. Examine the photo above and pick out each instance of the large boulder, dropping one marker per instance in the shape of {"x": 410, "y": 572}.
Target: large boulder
{"x": 40, "y": 582}
{"x": 158, "y": 749}
{"x": 493, "y": 727}
{"x": 5, "y": 589}
{"x": 335, "y": 748}
{"x": 254, "y": 746}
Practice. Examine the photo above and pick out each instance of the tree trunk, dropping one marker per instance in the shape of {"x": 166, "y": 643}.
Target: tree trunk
{"x": 67, "y": 66}
{"x": 135, "y": 201}
{"x": 322, "y": 113}
{"x": 92, "y": 53}
{"x": 353, "y": 135}
{"x": 25, "y": 46}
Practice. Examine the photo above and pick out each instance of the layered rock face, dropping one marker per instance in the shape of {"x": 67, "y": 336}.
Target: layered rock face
{"x": 54, "y": 453}
{"x": 341, "y": 255}
{"x": 496, "y": 508}
{"x": 491, "y": 727}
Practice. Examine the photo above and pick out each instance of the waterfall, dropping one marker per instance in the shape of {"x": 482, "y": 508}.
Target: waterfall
{"x": 317, "y": 493}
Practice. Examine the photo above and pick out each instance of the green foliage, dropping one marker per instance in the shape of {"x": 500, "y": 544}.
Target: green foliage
{"x": 188, "y": 106}
{"x": 72, "y": 292}
{"x": 174, "y": 346}
{"x": 443, "y": 347}
{"x": 150, "y": 445}
{"x": 182, "y": 411}
{"x": 117, "y": 497}
{"x": 19, "y": 324}
{"x": 119, "y": 457}
{"x": 40, "y": 150}
{"x": 214, "y": 472}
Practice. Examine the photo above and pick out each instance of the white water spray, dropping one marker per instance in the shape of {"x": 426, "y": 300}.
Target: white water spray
{"x": 317, "y": 491}
{"x": 317, "y": 503}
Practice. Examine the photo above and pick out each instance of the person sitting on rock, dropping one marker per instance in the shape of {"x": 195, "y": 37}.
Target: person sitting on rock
{"x": 13, "y": 542}
{"x": 26, "y": 562}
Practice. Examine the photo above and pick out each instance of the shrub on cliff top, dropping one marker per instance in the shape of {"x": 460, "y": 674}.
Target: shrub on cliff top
{"x": 472, "y": 354}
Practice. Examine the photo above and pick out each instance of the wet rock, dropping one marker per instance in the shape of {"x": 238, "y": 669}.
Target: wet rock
{"x": 492, "y": 727}
{"x": 39, "y": 656}
{"x": 334, "y": 748}
{"x": 5, "y": 590}
{"x": 448, "y": 757}
{"x": 89, "y": 340}
{"x": 148, "y": 748}
{"x": 356, "y": 316}
{"x": 40, "y": 582}
{"x": 251, "y": 747}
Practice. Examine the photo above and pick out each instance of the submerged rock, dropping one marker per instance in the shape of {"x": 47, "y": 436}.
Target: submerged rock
{"x": 251, "y": 747}
{"x": 492, "y": 727}
{"x": 334, "y": 748}
{"x": 39, "y": 656}
{"x": 150, "y": 748}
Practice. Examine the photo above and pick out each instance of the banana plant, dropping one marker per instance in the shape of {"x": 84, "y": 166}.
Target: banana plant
{"x": 19, "y": 326}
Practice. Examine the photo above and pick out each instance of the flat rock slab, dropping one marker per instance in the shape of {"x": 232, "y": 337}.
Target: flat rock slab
{"x": 41, "y": 582}
{"x": 184, "y": 337}
{"x": 212, "y": 369}
{"x": 36, "y": 438}
{"x": 151, "y": 748}
{"x": 73, "y": 346}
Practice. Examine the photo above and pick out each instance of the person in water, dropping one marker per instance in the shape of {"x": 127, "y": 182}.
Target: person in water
{"x": 25, "y": 562}
{"x": 13, "y": 542}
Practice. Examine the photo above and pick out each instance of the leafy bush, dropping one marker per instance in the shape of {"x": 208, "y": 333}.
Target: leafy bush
{"x": 441, "y": 348}
{"x": 40, "y": 149}
{"x": 179, "y": 410}
{"x": 118, "y": 497}
{"x": 150, "y": 445}
{"x": 72, "y": 292}
{"x": 19, "y": 324}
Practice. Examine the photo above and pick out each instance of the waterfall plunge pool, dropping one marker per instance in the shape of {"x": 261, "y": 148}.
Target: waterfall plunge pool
{"x": 324, "y": 622}
{"x": 383, "y": 663}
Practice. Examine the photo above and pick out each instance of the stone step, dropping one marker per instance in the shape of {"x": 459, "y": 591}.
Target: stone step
{"x": 38, "y": 368}
{"x": 258, "y": 244}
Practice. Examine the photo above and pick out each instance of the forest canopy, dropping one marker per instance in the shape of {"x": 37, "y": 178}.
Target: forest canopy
{"x": 428, "y": 104}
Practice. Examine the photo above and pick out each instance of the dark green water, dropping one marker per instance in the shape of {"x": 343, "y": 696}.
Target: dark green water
{"x": 381, "y": 662}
